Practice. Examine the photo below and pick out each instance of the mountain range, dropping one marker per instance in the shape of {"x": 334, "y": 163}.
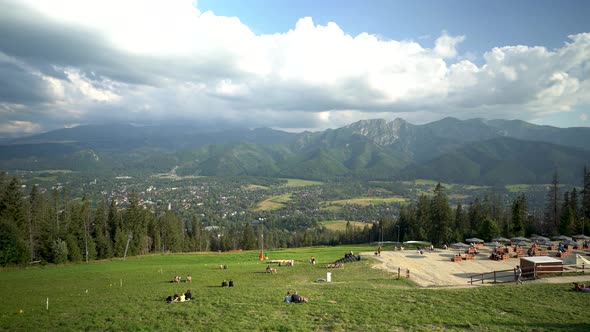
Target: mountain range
{"x": 476, "y": 151}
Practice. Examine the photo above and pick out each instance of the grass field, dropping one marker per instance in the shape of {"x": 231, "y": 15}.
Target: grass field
{"x": 254, "y": 187}
{"x": 129, "y": 296}
{"x": 300, "y": 183}
{"x": 273, "y": 203}
{"x": 364, "y": 201}
{"x": 340, "y": 225}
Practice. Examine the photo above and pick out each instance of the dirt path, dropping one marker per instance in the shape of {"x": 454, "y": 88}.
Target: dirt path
{"x": 437, "y": 270}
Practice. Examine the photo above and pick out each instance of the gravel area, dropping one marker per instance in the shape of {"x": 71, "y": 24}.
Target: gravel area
{"x": 436, "y": 269}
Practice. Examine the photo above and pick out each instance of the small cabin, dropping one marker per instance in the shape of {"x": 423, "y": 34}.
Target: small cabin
{"x": 538, "y": 265}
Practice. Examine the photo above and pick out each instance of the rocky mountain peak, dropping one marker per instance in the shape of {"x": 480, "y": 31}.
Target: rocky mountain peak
{"x": 379, "y": 131}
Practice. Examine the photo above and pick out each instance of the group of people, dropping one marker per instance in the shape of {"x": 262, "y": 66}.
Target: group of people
{"x": 178, "y": 279}
{"x": 183, "y": 297}
{"x": 225, "y": 284}
{"x": 295, "y": 298}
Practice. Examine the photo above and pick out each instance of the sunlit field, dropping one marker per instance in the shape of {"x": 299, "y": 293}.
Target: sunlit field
{"x": 301, "y": 183}
{"x": 364, "y": 201}
{"x": 340, "y": 225}
{"x": 129, "y": 296}
{"x": 273, "y": 203}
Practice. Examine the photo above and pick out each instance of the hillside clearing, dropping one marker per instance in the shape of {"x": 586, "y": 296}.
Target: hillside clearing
{"x": 273, "y": 203}
{"x": 365, "y": 201}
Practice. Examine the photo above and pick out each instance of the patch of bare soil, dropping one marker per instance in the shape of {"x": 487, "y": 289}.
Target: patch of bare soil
{"x": 436, "y": 269}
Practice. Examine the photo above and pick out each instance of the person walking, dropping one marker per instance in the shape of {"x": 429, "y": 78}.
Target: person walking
{"x": 518, "y": 275}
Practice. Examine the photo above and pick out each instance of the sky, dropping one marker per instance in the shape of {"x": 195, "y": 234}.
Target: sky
{"x": 291, "y": 65}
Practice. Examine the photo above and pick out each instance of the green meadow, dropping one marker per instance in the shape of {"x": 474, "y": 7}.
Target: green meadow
{"x": 273, "y": 203}
{"x": 300, "y": 183}
{"x": 128, "y": 295}
{"x": 365, "y": 201}
{"x": 340, "y": 225}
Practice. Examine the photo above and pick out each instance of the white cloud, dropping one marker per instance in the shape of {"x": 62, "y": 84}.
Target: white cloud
{"x": 446, "y": 46}
{"x": 11, "y": 128}
{"x": 151, "y": 60}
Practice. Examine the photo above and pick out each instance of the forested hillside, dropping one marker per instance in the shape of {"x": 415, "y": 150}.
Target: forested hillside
{"x": 49, "y": 227}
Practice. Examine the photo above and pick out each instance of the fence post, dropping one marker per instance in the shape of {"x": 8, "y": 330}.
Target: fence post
{"x": 399, "y": 272}
{"x": 482, "y": 278}
{"x": 534, "y": 271}
{"x": 408, "y": 273}
{"x": 471, "y": 277}
{"x": 494, "y": 276}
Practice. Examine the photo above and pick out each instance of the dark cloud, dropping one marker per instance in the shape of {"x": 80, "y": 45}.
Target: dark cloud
{"x": 20, "y": 86}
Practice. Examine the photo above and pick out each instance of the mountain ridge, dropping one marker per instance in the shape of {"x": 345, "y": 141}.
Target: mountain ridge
{"x": 469, "y": 151}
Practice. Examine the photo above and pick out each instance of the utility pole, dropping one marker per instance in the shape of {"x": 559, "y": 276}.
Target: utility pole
{"x": 397, "y": 233}
{"x": 129, "y": 237}
{"x": 261, "y": 257}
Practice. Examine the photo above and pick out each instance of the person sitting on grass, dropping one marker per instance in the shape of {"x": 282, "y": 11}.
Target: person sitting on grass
{"x": 224, "y": 284}
{"x": 188, "y": 295}
{"x": 296, "y": 298}
{"x": 231, "y": 283}
{"x": 288, "y": 297}
{"x": 176, "y": 298}
{"x": 169, "y": 299}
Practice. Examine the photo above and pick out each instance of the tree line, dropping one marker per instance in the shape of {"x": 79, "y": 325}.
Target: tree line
{"x": 47, "y": 227}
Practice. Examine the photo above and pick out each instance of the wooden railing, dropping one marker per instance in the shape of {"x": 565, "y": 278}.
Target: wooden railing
{"x": 528, "y": 273}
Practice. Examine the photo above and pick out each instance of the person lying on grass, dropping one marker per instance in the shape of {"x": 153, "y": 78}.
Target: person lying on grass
{"x": 580, "y": 287}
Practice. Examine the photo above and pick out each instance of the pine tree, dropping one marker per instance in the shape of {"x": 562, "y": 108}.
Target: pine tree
{"x": 488, "y": 229}
{"x": 104, "y": 244}
{"x": 586, "y": 201}
{"x": 171, "y": 232}
{"x": 13, "y": 250}
{"x": 248, "y": 240}
{"x": 440, "y": 217}
{"x": 461, "y": 223}
{"x": 422, "y": 218}
{"x": 519, "y": 216}
{"x": 476, "y": 216}
{"x": 552, "y": 207}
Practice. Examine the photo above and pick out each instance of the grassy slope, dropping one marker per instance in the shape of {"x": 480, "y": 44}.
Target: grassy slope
{"x": 340, "y": 225}
{"x": 365, "y": 201}
{"x": 89, "y": 297}
{"x": 273, "y": 203}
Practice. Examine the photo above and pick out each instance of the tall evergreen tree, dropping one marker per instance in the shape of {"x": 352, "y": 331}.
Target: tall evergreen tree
{"x": 101, "y": 232}
{"x": 586, "y": 201}
{"x": 476, "y": 216}
{"x": 519, "y": 217}
{"x": 423, "y": 210}
{"x": 461, "y": 223}
{"x": 552, "y": 207}
{"x": 440, "y": 216}
{"x": 488, "y": 229}
{"x": 248, "y": 240}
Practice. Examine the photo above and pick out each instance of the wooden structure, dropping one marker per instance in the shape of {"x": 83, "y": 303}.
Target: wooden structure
{"x": 539, "y": 265}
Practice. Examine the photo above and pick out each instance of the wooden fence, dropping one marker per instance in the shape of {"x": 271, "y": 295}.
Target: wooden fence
{"x": 528, "y": 273}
